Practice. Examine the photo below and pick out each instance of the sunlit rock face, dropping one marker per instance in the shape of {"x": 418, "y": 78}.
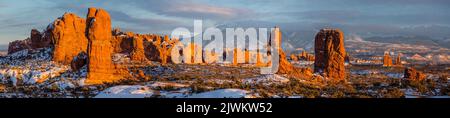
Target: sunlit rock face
{"x": 68, "y": 37}
{"x": 387, "y": 60}
{"x": 138, "y": 54}
{"x": 330, "y": 53}
{"x": 413, "y": 74}
{"x": 306, "y": 56}
{"x": 100, "y": 67}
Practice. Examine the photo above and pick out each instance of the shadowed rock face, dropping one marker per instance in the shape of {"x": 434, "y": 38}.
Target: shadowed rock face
{"x": 100, "y": 67}
{"x": 68, "y": 37}
{"x": 36, "y": 40}
{"x": 79, "y": 61}
{"x": 330, "y": 53}
{"x": 18, "y": 45}
{"x": 413, "y": 74}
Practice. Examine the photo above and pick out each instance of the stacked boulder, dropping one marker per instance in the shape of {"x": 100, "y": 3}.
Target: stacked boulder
{"x": 330, "y": 53}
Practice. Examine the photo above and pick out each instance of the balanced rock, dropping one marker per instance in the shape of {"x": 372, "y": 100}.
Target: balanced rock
{"x": 413, "y": 74}
{"x": 330, "y": 53}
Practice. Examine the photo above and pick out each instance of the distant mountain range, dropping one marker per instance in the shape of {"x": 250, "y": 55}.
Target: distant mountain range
{"x": 301, "y": 36}
{"x": 417, "y": 40}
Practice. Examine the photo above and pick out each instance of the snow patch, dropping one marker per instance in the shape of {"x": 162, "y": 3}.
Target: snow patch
{"x": 222, "y": 93}
{"x": 126, "y": 91}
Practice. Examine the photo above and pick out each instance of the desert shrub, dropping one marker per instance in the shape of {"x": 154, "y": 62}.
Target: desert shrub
{"x": 394, "y": 93}
{"x": 198, "y": 88}
{"x": 337, "y": 94}
{"x": 443, "y": 78}
{"x": 166, "y": 87}
{"x": 419, "y": 85}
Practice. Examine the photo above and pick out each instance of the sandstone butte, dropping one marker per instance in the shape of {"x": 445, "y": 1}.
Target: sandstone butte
{"x": 413, "y": 75}
{"x": 387, "y": 60}
{"x": 330, "y": 54}
{"x": 68, "y": 37}
{"x": 100, "y": 66}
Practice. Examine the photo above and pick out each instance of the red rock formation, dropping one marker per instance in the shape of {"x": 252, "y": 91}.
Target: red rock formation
{"x": 138, "y": 53}
{"x": 100, "y": 67}
{"x": 330, "y": 53}
{"x": 236, "y": 59}
{"x": 247, "y": 56}
{"x": 305, "y": 56}
{"x": 387, "y": 60}
{"x": 122, "y": 42}
{"x": 413, "y": 74}
{"x": 293, "y": 57}
{"x": 159, "y": 49}
{"x": 189, "y": 53}
{"x": 19, "y": 45}
{"x": 165, "y": 49}
{"x": 68, "y": 37}
{"x": 151, "y": 51}
{"x": 37, "y": 41}
{"x": 398, "y": 61}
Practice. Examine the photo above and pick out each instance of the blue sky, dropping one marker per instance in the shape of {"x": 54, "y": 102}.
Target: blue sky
{"x": 362, "y": 17}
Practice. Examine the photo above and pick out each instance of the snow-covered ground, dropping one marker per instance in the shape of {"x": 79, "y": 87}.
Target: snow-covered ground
{"x": 370, "y": 72}
{"x": 266, "y": 80}
{"x": 126, "y": 91}
{"x": 140, "y": 91}
{"x": 222, "y": 93}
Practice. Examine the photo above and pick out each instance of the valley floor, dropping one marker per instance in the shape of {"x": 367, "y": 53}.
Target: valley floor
{"x": 33, "y": 75}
